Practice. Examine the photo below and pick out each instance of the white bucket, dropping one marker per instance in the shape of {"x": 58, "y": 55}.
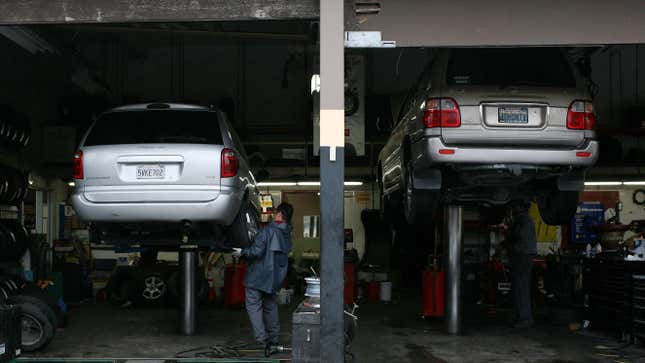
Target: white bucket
{"x": 284, "y": 297}
{"x": 386, "y": 291}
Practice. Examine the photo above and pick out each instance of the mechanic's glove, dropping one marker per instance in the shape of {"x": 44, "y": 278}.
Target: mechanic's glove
{"x": 237, "y": 252}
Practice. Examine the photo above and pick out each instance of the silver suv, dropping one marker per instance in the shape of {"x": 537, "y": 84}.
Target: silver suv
{"x": 151, "y": 173}
{"x": 489, "y": 126}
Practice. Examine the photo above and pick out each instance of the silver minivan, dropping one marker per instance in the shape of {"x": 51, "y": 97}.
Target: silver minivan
{"x": 488, "y": 126}
{"x": 154, "y": 173}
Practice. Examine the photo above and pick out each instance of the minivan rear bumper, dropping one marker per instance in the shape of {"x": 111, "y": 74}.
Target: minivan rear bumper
{"x": 436, "y": 152}
{"x": 221, "y": 210}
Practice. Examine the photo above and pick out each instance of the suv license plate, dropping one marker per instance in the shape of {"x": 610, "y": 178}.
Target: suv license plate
{"x": 151, "y": 172}
{"x": 515, "y": 115}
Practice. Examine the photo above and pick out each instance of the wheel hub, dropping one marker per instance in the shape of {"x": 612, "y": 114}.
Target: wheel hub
{"x": 155, "y": 288}
{"x": 32, "y": 330}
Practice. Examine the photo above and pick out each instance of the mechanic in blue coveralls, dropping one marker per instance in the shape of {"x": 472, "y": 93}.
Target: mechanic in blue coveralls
{"x": 267, "y": 258}
{"x": 523, "y": 248}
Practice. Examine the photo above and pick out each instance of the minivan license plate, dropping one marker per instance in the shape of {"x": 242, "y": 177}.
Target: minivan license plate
{"x": 151, "y": 172}
{"x": 515, "y": 115}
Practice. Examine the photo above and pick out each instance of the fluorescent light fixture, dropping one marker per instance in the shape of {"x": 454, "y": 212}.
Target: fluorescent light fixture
{"x": 277, "y": 184}
{"x": 71, "y": 184}
{"x": 603, "y": 183}
{"x": 353, "y": 183}
{"x": 635, "y": 182}
{"x": 27, "y": 39}
{"x": 308, "y": 183}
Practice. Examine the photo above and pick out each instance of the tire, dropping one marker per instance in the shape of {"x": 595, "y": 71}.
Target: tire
{"x": 492, "y": 216}
{"x": 176, "y": 291}
{"x": 42, "y": 306}
{"x": 122, "y": 287}
{"x": 386, "y": 205}
{"x": 37, "y": 330}
{"x": 10, "y": 285}
{"x": 558, "y": 208}
{"x": 244, "y": 228}
{"x": 49, "y": 299}
{"x": 4, "y": 295}
{"x": 419, "y": 206}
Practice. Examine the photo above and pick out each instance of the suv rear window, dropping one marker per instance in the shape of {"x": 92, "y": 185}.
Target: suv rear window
{"x": 156, "y": 127}
{"x": 542, "y": 67}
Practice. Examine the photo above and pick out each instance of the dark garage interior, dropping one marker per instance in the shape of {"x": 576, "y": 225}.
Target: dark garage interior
{"x": 422, "y": 250}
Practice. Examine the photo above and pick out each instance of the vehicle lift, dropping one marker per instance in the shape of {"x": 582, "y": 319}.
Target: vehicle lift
{"x": 453, "y": 258}
{"x": 188, "y": 266}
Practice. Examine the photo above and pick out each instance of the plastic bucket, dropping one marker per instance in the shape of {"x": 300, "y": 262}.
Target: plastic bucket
{"x": 386, "y": 291}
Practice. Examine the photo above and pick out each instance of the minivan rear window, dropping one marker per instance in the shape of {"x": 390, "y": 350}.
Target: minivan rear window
{"x": 541, "y": 67}
{"x": 156, "y": 127}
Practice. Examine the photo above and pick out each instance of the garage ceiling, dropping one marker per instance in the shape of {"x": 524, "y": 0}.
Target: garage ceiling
{"x": 503, "y": 22}
{"x": 408, "y": 22}
{"x": 120, "y": 11}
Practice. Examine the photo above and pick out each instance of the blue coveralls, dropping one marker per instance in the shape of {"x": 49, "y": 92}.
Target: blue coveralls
{"x": 267, "y": 268}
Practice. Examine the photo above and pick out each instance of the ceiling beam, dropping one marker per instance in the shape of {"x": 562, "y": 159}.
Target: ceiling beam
{"x": 414, "y": 23}
{"x": 125, "y": 11}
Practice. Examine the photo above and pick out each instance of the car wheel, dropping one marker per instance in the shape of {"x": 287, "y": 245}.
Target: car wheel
{"x": 418, "y": 205}
{"x": 492, "y": 216}
{"x": 175, "y": 287}
{"x": 558, "y": 208}
{"x": 122, "y": 288}
{"x": 154, "y": 288}
{"x": 47, "y": 298}
{"x": 386, "y": 205}
{"x": 244, "y": 228}
{"x": 42, "y": 306}
{"x": 37, "y": 331}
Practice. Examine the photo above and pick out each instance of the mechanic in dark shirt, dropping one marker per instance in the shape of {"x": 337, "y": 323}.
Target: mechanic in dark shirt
{"x": 522, "y": 250}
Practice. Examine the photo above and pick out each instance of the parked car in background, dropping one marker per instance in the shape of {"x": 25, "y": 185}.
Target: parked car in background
{"x": 151, "y": 173}
{"x": 488, "y": 126}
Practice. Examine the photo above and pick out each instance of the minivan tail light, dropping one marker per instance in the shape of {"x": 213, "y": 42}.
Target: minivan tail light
{"x": 230, "y": 163}
{"x": 442, "y": 112}
{"x": 78, "y": 165}
{"x": 581, "y": 116}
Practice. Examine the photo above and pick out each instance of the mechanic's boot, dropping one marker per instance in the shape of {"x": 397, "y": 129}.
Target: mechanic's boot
{"x": 523, "y": 324}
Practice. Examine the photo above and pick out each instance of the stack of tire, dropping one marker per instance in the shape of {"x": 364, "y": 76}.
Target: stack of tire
{"x": 14, "y": 185}
{"x": 10, "y": 332}
{"x": 14, "y": 240}
{"x": 40, "y": 315}
{"x": 15, "y": 132}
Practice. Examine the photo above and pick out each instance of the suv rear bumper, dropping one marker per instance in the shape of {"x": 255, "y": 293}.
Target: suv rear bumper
{"x": 435, "y": 151}
{"x": 221, "y": 210}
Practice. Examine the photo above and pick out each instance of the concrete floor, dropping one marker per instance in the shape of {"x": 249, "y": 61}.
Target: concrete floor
{"x": 386, "y": 333}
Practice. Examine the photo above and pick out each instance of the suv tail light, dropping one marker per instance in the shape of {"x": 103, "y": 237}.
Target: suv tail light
{"x": 230, "y": 163}
{"x": 442, "y": 112}
{"x": 78, "y": 165}
{"x": 581, "y": 116}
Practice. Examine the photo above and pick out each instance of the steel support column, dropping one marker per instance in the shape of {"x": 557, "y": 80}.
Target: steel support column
{"x": 453, "y": 255}
{"x": 188, "y": 318}
{"x": 332, "y": 157}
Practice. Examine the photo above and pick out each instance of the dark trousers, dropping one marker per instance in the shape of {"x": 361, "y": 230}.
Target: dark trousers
{"x": 521, "y": 267}
{"x": 263, "y": 313}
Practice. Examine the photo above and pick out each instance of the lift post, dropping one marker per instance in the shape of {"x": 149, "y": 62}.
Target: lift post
{"x": 332, "y": 175}
{"x": 188, "y": 266}
{"x": 453, "y": 256}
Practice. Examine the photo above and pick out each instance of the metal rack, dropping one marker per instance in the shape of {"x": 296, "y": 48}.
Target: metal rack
{"x": 638, "y": 306}
{"x": 616, "y": 292}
